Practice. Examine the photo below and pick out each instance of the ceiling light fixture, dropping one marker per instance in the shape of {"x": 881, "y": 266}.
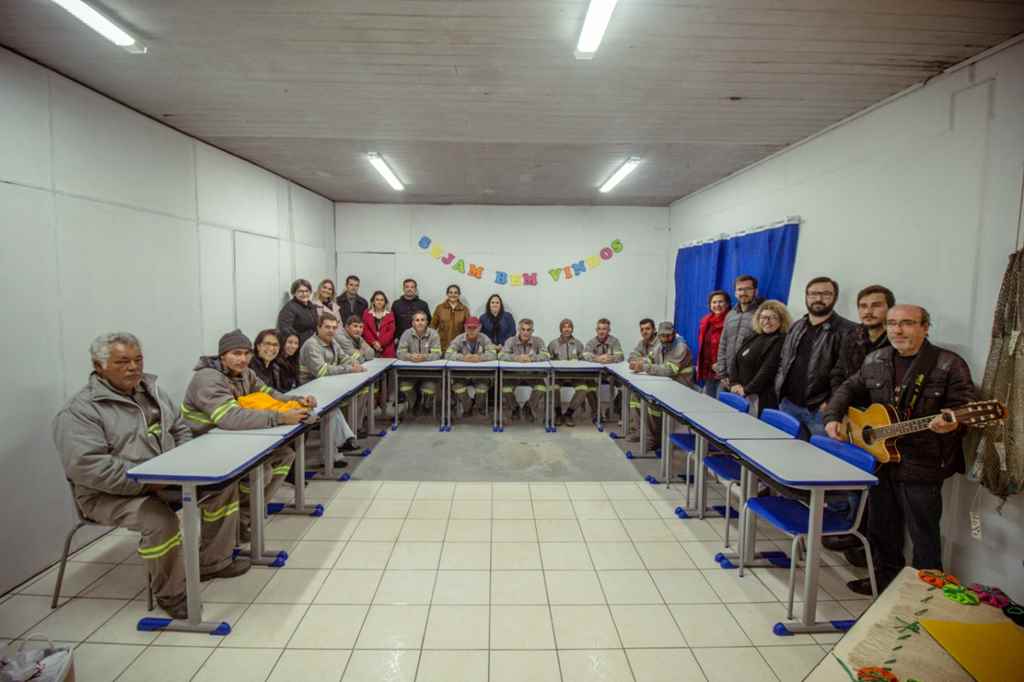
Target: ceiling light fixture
{"x": 99, "y": 23}
{"x": 385, "y": 171}
{"x": 618, "y": 176}
{"x": 598, "y": 14}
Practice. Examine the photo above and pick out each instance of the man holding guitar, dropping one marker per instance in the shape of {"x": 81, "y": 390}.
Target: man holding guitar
{"x": 917, "y": 379}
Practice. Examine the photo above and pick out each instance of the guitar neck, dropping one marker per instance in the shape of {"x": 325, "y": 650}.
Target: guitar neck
{"x": 904, "y": 428}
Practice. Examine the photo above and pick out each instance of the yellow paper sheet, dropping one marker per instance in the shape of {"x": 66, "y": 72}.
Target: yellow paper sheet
{"x": 991, "y": 652}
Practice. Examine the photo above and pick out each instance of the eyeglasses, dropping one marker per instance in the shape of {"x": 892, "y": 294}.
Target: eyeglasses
{"x": 769, "y": 317}
{"x": 902, "y": 324}
{"x": 821, "y": 294}
{"x": 745, "y": 290}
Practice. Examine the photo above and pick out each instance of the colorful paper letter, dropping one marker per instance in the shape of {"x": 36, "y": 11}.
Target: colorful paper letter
{"x": 555, "y": 273}
{"x": 500, "y": 277}
{"x": 424, "y": 242}
{"x": 460, "y": 266}
{"x": 447, "y": 260}
{"x": 530, "y": 279}
{"x": 476, "y": 271}
{"x": 578, "y": 268}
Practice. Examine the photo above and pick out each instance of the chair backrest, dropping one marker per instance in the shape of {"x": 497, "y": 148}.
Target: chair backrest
{"x": 847, "y": 452}
{"x": 78, "y": 510}
{"x": 734, "y": 401}
{"x": 782, "y": 421}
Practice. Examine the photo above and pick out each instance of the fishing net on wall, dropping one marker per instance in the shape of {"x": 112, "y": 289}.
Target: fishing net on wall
{"x": 996, "y": 454}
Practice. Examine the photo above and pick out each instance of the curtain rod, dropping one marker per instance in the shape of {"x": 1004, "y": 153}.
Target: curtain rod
{"x": 791, "y": 220}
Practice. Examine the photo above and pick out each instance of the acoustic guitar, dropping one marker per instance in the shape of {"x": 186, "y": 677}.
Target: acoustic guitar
{"x": 877, "y": 428}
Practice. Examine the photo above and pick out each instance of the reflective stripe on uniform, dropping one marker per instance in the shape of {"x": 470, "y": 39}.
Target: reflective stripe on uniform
{"x": 222, "y": 512}
{"x": 653, "y": 412}
{"x": 427, "y": 391}
{"x": 195, "y": 415}
{"x": 673, "y": 366}
{"x": 541, "y": 387}
{"x": 266, "y": 389}
{"x": 154, "y": 430}
{"x": 405, "y": 387}
{"x": 222, "y": 409}
{"x": 162, "y": 549}
{"x": 507, "y": 389}
{"x": 244, "y": 488}
{"x": 635, "y": 404}
{"x": 282, "y": 470}
{"x": 458, "y": 390}
{"x": 583, "y": 387}
{"x": 322, "y": 371}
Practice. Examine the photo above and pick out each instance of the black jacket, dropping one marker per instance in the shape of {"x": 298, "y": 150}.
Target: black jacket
{"x": 296, "y": 318}
{"x": 349, "y": 309}
{"x": 404, "y": 309}
{"x": 277, "y": 375}
{"x": 927, "y": 457}
{"x": 757, "y": 363}
{"x": 855, "y": 347}
{"x": 824, "y": 356}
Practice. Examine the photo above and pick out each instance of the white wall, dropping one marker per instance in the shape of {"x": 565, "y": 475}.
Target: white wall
{"x": 923, "y": 195}
{"x": 380, "y": 243}
{"x": 112, "y": 221}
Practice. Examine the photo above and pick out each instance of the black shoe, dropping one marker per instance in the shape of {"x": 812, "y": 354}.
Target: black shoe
{"x": 350, "y": 446}
{"x": 838, "y": 543}
{"x": 568, "y": 419}
{"x": 528, "y": 413}
{"x": 559, "y": 419}
{"x": 239, "y": 566}
{"x": 362, "y": 434}
{"x": 862, "y": 586}
{"x": 340, "y": 463}
{"x": 857, "y": 556}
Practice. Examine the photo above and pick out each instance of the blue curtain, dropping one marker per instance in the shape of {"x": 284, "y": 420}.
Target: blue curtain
{"x": 768, "y": 255}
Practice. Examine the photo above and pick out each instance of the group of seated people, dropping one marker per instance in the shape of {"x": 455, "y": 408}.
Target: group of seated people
{"x": 814, "y": 369}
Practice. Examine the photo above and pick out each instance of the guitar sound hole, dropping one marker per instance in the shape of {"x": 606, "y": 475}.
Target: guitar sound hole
{"x": 868, "y": 434}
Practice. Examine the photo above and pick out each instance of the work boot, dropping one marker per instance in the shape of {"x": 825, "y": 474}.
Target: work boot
{"x": 239, "y": 566}
{"x": 568, "y": 419}
{"x": 350, "y": 445}
{"x": 861, "y": 586}
{"x": 559, "y": 420}
{"x": 340, "y": 463}
{"x": 838, "y": 543}
{"x": 528, "y": 413}
{"x": 857, "y": 556}
{"x": 176, "y": 606}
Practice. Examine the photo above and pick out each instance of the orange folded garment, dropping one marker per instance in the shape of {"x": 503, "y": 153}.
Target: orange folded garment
{"x": 262, "y": 401}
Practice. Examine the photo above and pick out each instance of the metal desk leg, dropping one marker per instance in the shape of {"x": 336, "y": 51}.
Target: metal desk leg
{"x": 807, "y": 622}
{"x": 643, "y": 426}
{"x": 496, "y": 405}
{"x": 373, "y": 407}
{"x": 549, "y": 401}
{"x": 499, "y": 403}
{"x": 700, "y": 446}
{"x": 624, "y": 424}
{"x": 328, "y": 448}
{"x": 258, "y": 554}
{"x": 299, "y": 506}
{"x": 666, "y": 450}
{"x": 600, "y": 424}
{"x": 190, "y": 532}
{"x": 353, "y": 413}
{"x": 394, "y": 400}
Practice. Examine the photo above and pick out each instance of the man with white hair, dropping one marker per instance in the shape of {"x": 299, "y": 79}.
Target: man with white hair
{"x": 121, "y": 419}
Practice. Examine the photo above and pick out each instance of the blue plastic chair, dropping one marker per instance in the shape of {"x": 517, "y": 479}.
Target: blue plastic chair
{"x": 734, "y": 401}
{"x": 792, "y": 517}
{"x": 782, "y": 421}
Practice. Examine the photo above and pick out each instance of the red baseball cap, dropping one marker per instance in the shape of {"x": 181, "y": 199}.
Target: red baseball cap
{"x": 472, "y": 322}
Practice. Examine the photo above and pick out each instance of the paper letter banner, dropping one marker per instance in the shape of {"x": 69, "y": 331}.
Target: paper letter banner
{"x": 585, "y": 264}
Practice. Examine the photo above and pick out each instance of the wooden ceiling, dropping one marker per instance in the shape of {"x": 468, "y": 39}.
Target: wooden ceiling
{"x": 482, "y": 101}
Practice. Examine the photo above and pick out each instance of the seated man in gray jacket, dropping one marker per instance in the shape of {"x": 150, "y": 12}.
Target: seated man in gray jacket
{"x": 471, "y": 346}
{"x": 419, "y": 343}
{"x": 322, "y": 355}
{"x": 211, "y": 400}
{"x": 358, "y": 351}
{"x": 121, "y": 419}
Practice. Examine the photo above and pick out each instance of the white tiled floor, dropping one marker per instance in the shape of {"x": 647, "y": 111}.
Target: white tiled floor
{"x": 418, "y": 582}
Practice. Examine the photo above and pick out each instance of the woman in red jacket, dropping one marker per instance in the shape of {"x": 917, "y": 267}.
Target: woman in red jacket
{"x": 379, "y": 326}
{"x": 711, "y": 326}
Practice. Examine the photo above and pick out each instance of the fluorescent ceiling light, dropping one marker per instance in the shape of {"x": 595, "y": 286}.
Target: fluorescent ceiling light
{"x": 385, "y": 171}
{"x": 598, "y": 14}
{"x": 618, "y": 176}
{"x": 99, "y": 23}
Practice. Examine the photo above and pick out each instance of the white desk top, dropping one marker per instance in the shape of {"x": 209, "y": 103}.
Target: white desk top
{"x": 509, "y": 366}
{"x": 206, "y": 460}
{"x": 282, "y": 433}
{"x": 733, "y": 425}
{"x": 577, "y": 365}
{"x": 798, "y": 464}
{"x": 429, "y": 364}
{"x": 490, "y": 365}
{"x": 682, "y": 400}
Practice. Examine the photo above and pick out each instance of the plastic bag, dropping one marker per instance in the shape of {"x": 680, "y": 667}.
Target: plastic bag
{"x": 45, "y": 664}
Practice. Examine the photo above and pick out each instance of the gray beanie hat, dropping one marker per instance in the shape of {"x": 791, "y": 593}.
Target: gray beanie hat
{"x": 233, "y": 340}
{"x": 666, "y": 328}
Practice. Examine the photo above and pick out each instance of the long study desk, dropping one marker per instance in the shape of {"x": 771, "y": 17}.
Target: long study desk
{"x": 468, "y": 370}
{"x": 204, "y": 462}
